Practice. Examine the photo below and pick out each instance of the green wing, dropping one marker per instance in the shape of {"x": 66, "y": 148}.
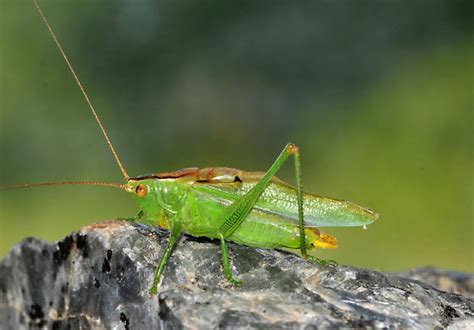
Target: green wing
{"x": 280, "y": 200}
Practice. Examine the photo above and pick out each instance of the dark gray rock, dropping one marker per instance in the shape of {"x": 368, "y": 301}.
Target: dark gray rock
{"x": 99, "y": 278}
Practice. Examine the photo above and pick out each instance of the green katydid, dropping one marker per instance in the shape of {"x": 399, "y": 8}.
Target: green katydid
{"x": 251, "y": 208}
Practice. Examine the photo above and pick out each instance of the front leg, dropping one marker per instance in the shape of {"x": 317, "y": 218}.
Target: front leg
{"x": 174, "y": 236}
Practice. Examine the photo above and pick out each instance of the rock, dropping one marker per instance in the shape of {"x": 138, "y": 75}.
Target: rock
{"x": 99, "y": 278}
{"x": 454, "y": 282}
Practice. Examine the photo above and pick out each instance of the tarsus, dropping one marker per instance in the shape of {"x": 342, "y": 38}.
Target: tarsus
{"x": 53, "y": 35}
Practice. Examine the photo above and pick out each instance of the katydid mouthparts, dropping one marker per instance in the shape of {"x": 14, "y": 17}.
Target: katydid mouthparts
{"x": 250, "y": 208}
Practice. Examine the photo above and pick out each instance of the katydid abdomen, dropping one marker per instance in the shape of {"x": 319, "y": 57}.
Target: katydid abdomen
{"x": 259, "y": 229}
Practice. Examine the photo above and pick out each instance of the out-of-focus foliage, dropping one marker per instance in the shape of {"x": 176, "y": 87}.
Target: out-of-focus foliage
{"x": 377, "y": 95}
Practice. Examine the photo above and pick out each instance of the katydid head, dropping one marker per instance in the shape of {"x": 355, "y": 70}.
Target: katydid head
{"x": 157, "y": 197}
{"x": 147, "y": 195}
{"x": 139, "y": 188}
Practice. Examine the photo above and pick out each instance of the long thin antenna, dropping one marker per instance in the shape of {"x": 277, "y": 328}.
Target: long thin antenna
{"x": 92, "y": 183}
{"x": 53, "y": 35}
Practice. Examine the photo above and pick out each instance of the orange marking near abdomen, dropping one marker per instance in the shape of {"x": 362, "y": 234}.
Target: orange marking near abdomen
{"x": 320, "y": 240}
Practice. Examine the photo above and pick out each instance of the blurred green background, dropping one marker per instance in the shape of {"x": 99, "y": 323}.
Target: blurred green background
{"x": 378, "y": 95}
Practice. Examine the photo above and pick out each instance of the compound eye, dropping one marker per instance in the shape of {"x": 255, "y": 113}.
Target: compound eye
{"x": 141, "y": 190}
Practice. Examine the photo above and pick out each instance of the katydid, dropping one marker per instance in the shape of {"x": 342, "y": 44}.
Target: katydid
{"x": 251, "y": 208}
